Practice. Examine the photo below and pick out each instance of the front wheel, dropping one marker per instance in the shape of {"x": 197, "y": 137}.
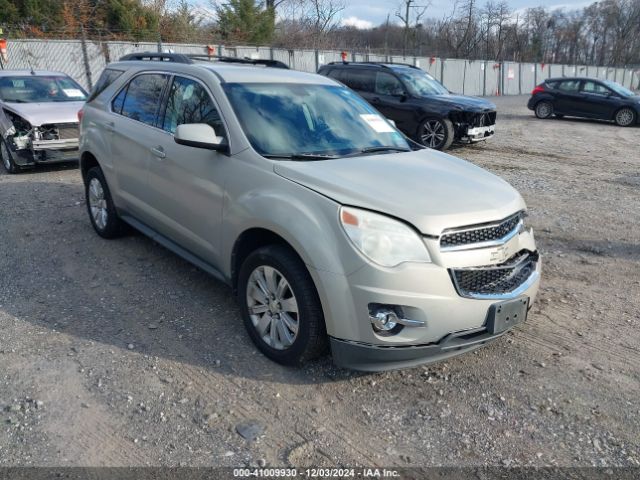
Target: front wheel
{"x": 625, "y": 117}
{"x": 7, "y": 158}
{"x": 544, "y": 109}
{"x": 436, "y": 133}
{"x": 280, "y": 306}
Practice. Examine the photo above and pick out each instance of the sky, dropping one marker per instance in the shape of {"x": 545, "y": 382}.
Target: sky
{"x": 368, "y": 13}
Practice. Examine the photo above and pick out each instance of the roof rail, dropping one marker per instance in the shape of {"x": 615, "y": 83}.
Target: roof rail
{"x": 382, "y": 64}
{"x": 157, "y": 56}
{"x": 245, "y": 60}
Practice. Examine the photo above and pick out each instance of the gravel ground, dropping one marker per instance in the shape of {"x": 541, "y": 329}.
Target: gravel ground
{"x": 119, "y": 353}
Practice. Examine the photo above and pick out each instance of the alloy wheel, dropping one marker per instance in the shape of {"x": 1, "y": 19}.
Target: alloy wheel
{"x": 98, "y": 203}
{"x": 543, "y": 109}
{"x": 273, "y": 307}
{"x": 624, "y": 117}
{"x": 433, "y": 133}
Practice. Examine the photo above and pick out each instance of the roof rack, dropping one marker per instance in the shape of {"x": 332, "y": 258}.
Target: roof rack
{"x": 245, "y": 60}
{"x": 157, "y": 56}
{"x": 382, "y": 64}
{"x": 189, "y": 58}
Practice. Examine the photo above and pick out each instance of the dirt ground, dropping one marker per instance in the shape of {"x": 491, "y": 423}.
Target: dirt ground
{"x": 119, "y": 353}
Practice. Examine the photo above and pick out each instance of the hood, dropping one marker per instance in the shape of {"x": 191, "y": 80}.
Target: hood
{"x": 431, "y": 190}
{"x": 44, "y": 113}
{"x": 466, "y": 103}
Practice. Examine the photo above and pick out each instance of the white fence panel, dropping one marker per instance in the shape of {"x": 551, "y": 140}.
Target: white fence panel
{"x": 510, "y": 79}
{"x": 474, "y": 78}
{"x": 528, "y": 80}
{"x": 453, "y": 74}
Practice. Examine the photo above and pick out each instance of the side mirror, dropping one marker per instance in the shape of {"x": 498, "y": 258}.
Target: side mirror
{"x": 199, "y": 135}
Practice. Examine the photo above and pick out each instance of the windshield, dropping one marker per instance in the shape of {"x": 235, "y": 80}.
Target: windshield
{"x": 619, "y": 89}
{"x": 420, "y": 82}
{"x": 294, "y": 119}
{"x": 40, "y": 89}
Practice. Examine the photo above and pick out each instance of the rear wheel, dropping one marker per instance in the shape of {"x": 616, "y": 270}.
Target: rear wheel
{"x": 625, "y": 117}
{"x": 436, "y": 133}
{"x": 280, "y": 306}
{"x": 102, "y": 211}
{"x": 544, "y": 109}
{"x": 7, "y": 158}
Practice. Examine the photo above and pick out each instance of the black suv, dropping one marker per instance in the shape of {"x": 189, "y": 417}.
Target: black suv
{"x": 585, "y": 97}
{"x": 419, "y": 105}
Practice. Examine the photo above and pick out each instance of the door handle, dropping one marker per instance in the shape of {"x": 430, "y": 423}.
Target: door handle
{"x": 158, "y": 152}
{"x": 110, "y": 127}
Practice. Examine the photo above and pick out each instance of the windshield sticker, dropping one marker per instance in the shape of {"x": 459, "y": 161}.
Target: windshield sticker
{"x": 73, "y": 92}
{"x": 377, "y": 123}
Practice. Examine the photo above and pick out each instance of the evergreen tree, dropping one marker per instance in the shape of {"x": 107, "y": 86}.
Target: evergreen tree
{"x": 246, "y": 21}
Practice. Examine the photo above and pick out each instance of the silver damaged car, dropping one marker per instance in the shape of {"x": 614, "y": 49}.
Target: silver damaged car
{"x": 334, "y": 231}
{"x": 38, "y": 118}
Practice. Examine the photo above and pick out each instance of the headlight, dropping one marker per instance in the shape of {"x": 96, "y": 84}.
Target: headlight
{"x": 383, "y": 240}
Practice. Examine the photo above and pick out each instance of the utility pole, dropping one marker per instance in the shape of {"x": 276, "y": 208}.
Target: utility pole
{"x": 406, "y": 20}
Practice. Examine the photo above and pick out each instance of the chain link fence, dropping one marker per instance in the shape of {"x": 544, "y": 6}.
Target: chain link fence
{"x": 85, "y": 60}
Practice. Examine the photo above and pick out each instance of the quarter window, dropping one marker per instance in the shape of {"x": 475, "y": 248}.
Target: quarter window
{"x": 189, "y": 102}
{"x": 107, "y": 78}
{"x": 140, "y": 100}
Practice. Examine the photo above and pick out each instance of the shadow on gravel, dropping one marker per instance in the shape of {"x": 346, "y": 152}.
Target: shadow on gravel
{"x": 54, "y": 167}
{"x": 129, "y": 291}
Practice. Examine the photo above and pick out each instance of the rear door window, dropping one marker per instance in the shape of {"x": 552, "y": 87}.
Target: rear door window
{"x": 569, "y": 86}
{"x": 361, "y": 80}
{"x": 141, "y": 98}
{"x": 388, "y": 84}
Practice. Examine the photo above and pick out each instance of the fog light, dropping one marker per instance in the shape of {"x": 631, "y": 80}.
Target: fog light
{"x": 389, "y": 319}
{"x": 384, "y": 320}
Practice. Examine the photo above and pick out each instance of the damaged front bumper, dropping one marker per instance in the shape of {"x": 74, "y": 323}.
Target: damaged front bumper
{"x": 30, "y": 151}
{"x": 477, "y": 134}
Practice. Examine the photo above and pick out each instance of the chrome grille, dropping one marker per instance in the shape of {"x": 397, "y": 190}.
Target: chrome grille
{"x": 495, "y": 280}
{"x": 480, "y": 234}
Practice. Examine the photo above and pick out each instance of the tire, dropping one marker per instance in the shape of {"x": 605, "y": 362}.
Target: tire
{"x": 7, "y": 158}
{"x": 102, "y": 211}
{"x": 269, "y": 322}
{"x": 436, "y": 133}
{"x": 625, "y": 117}
{"x": 544, "y": 109}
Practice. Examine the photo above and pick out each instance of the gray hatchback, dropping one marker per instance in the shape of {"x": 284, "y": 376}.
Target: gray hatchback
{"x": 333, "y": 229}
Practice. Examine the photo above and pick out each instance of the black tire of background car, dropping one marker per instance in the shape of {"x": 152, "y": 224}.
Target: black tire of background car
{"x": 311, "y": 340}
{"x": 632, "y": 117}
{"x": 449, "y": 133}
{"x": 115, "y": 226}
{"x": 8, "y": 163}
{"x": 544, "y": 113}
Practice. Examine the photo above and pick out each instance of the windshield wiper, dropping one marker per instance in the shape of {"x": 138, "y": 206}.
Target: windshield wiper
{"x": 301, "y": 156}
{"x": 387, "y": 148}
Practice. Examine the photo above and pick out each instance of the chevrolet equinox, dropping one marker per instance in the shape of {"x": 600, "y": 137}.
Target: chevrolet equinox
{"x": 332, "y": 228}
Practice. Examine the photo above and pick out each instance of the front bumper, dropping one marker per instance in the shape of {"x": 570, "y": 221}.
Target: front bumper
{"x": 377, "y": 358}
{"x": 477, "y": 134}
{"x": 426, "y": 293}
{"x": 48, "y": 151}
